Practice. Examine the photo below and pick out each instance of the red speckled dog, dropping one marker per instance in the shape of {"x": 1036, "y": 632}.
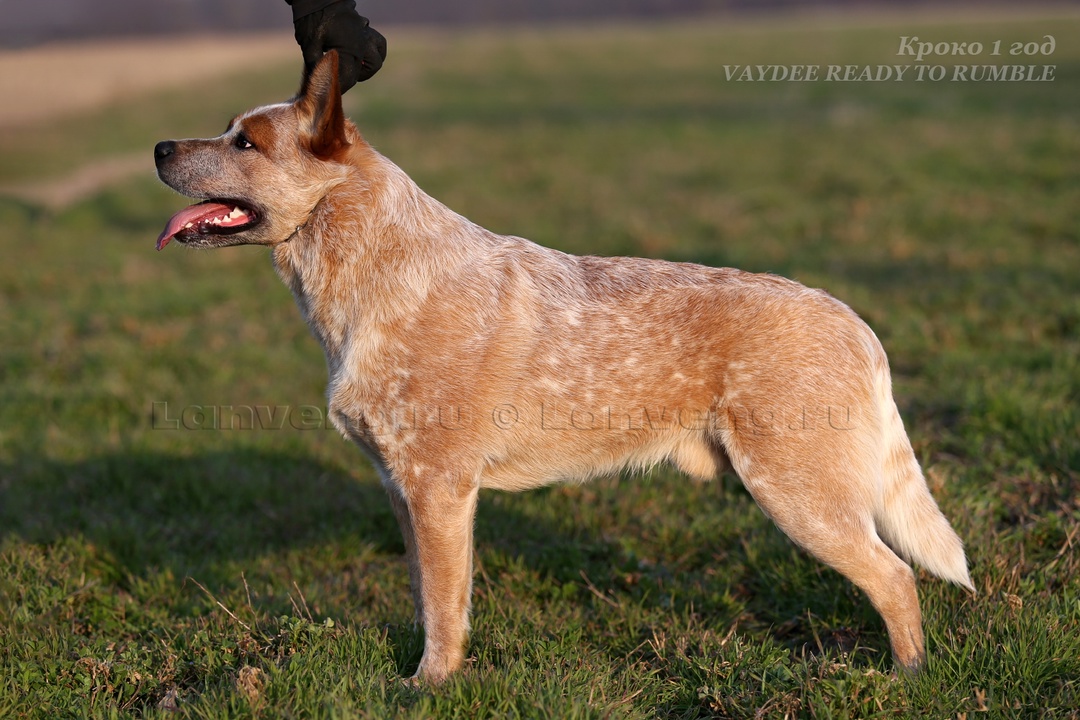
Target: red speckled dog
{"x": 460, "y": 360}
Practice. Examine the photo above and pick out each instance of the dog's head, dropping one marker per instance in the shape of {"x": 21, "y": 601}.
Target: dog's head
{"x": 260, "y": 180}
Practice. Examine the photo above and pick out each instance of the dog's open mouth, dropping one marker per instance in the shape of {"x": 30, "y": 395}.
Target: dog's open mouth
{"x": 196, "y": 223}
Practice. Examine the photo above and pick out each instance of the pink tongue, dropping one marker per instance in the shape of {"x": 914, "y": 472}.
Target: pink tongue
{"x": 192, "y": 214}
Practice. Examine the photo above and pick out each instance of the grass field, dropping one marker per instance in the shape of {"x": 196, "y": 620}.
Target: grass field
{"x": 148, "y": 569}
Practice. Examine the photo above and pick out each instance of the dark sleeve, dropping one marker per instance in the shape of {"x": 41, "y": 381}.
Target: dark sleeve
{"x": 300, "y": 8}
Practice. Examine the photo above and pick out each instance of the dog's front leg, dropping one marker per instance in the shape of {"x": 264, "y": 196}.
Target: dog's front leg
{"x": 440, "y": 511}
{"x": 404, "y": 520}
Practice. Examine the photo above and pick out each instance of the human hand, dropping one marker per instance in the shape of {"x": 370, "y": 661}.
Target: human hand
{"x": 361, "y": 48}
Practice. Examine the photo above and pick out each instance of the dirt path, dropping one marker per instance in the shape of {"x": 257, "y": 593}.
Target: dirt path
{"x": 61, "y": 79}
{"x": 64, "y": 78}
{"x": 81, "y": 183}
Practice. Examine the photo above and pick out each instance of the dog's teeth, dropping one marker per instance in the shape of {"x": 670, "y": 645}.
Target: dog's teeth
{"x": 236, "y": 212}
{"x": 188, "y": 225}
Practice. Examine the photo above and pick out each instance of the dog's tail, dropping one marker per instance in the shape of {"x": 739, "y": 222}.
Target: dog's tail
{"x": 908, "y": 519}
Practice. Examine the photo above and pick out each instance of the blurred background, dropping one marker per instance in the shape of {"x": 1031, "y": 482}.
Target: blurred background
{"x": 32, "y": 21}
{"x": 947, "y": 214}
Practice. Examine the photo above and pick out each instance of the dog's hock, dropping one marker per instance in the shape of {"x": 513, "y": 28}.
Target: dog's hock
{"x": 320, "y": 102}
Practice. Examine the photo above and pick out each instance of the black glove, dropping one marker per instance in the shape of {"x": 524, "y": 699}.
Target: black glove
{"x": 361, "y": 49}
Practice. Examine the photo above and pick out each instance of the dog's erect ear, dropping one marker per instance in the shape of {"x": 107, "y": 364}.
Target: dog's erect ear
{"x": 320, "y": 101}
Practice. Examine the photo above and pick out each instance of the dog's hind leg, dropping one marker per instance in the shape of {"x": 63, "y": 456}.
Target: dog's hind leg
{"x": 441, "y": 513}
{"x": 828, "y": 511}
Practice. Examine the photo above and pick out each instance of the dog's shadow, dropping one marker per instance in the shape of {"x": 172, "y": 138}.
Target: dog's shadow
{"x": 193, "y": 513}
{"x": 184, "y": 512}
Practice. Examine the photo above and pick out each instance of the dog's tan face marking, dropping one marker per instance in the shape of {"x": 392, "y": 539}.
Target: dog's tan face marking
{"x": 460, "y": 360}
{"x": 259, "y": 132}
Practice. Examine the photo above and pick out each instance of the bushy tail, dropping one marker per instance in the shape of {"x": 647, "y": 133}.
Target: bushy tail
{"x": 908, "y": 519}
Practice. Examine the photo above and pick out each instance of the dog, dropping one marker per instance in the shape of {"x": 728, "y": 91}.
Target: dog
{"x": 462, "y": 360}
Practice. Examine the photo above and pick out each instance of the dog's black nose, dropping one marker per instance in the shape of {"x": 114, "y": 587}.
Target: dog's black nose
{"x": 164, "y": 149}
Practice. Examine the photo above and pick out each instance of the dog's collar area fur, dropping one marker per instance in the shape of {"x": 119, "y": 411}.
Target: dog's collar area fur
{"x": 307, "y": 221}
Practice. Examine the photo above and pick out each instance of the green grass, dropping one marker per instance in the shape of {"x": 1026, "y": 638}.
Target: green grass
{"x": 259, "y": 573}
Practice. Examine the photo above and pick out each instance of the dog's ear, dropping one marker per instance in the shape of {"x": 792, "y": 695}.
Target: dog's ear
{"x": 319, "y": 102}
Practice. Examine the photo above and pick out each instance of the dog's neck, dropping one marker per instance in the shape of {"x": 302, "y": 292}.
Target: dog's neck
{"x": 376, "y": 230}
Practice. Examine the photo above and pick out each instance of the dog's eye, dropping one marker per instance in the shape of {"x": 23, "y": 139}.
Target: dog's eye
{"x": 242, "y": 143}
